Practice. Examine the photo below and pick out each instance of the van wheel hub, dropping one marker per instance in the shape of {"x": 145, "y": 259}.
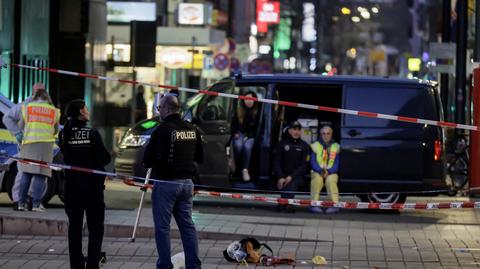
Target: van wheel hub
{"x": 393, "y": 197}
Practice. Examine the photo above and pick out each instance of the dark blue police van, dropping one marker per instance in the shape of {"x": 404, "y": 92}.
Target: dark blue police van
{"x": 377, "y": 155}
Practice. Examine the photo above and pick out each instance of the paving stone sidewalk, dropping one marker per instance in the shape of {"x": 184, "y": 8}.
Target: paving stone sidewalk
{"x": 351, "y": 239}
{"x": 52, "y": 252}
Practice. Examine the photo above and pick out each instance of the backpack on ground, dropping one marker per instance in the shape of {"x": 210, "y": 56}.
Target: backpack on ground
{"x": 249, "y": 250}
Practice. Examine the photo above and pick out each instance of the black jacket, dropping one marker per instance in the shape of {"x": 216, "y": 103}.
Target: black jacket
{"x": 290, "y": 158}
{"x": 83, "y": 146}
{"x": 173, "y": 147}
{"x": 249, "y": 125}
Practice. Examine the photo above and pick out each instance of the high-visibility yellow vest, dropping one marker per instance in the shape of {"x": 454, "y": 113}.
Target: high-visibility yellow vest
{"x": 325, "y": 158}
{"x": 40, "y": 120}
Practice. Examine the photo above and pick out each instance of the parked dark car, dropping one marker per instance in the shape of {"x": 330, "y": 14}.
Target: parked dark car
{"x": 377, "y": 155}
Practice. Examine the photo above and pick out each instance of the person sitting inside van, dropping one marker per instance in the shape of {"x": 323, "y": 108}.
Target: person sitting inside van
{"x": 324, "y": 161}
{"x": 243, "y": 130}
{"x": 289, "y": 162}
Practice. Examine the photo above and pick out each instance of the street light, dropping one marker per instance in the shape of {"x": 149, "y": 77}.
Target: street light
{"x": 361, "y": 9}
{"x": 355, "y": 19}
{"x": 375, "y": 10}
{"x": 346, "y": 11}
{"x": 365, "y": 15}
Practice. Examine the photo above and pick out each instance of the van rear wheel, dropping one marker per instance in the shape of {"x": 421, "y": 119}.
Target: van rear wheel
{"x": 393, "y": 197}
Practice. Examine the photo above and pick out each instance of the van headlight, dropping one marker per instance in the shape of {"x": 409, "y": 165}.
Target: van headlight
{"x": 131, "y": 141}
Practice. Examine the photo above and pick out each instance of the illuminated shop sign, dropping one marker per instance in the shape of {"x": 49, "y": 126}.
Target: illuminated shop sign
{"x": 119, "y": 11}
{"x": 309, "y": 34}
{"x": 191, "y": 14}
{"x": 268, "y": 12}
{"x": 174, "y": 58}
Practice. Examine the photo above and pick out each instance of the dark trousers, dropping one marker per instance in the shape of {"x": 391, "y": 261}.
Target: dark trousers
{"x": 293, "y": 186}
{"x": 95, "y": 212}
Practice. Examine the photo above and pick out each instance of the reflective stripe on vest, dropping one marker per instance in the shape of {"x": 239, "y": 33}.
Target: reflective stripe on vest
{"x": 325, "y": 158}
{"x": 40, "y": 120}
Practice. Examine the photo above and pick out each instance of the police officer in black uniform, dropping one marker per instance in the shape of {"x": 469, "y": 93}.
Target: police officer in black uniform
{"x": 82, "y": 146}
{"x": 173, "y": 148}
{"x": 290, "y": 163}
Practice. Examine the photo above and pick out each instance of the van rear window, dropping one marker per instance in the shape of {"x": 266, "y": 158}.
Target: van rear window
{"x": 408, "y": 102}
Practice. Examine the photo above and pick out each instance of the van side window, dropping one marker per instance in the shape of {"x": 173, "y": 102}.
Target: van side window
{"x": 407, "y": 102}
{"x": 215, "y": 108}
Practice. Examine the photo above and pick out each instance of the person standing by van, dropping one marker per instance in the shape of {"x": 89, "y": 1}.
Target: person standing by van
{"x": 83, "y": 146}
{"x": 324, "y": 161}
{"x": 243, "y": 130}
{"x": 12, "y": 120}
{"x": 39, "y": 123}
{"x": 173, "y": 148}
{"x": 289, "y": 162}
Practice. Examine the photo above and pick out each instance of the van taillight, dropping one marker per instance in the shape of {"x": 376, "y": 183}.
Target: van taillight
{"x": 438, "y": 150}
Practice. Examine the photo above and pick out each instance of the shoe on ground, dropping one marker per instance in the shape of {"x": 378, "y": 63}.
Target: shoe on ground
{"x": 15, "y": 206}
{"x": 245, "y": 175}
{"x": 332, "y": 210}
{"x": 315, "y": 209}
{"x": 20, "y": 207}
{"x": 38, "y": 209}
{"x": 29, "y": 204}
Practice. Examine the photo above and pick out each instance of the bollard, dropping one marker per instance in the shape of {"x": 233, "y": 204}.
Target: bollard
{"x": 474, "y": 168}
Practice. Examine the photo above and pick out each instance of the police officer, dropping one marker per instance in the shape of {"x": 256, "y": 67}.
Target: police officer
{"x": 290, "y": 162}
{"x": 173, "y": 148}
{"x": 82, "y": 146}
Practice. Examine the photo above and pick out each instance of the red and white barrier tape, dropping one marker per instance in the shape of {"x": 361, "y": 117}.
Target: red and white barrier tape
{"x": 349, "y": 205}
{"x": 130, "y": 180}
{"x": 264, "y": 100}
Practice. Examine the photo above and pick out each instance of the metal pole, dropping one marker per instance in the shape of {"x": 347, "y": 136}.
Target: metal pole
{"x": 461, "y": 66}
{"x": 474, "y": 168}
{"x": 444, "y": 89}
{"x": 139, "y": 211}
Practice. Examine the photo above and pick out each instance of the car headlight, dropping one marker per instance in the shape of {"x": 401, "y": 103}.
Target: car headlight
{"x": 134, "y": 141}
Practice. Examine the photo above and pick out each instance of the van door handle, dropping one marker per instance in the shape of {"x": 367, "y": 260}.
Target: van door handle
{"x": 353, "y": 132}
{"x": 222, "y": 129}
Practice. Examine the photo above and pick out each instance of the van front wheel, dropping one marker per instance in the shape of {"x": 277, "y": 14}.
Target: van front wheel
{"x": 393, "y": 197}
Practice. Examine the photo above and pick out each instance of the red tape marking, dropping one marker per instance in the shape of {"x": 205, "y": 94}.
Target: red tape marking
{"x": 87, "y": 75}
{"x": 368, "y": 114}
{"x": 447, "y": 124}
{"x": 208, "y": 92}
{"x": 326, "y": 108}
{"x": 128, "y": 81}
{"x": 407, "y": 119}
{"x": 285, "y": 103}
{"x": 243, "y": 97}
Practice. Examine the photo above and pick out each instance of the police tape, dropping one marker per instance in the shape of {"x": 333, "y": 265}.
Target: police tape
{"x": 133, "y": 181}
{"x": 347, "y": 205}
{"x": 264, "y": 100}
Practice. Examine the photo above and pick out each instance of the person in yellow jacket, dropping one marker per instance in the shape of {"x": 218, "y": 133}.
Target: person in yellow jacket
{"x": 39, "y": 123}
{"x": 324, "y": 160}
